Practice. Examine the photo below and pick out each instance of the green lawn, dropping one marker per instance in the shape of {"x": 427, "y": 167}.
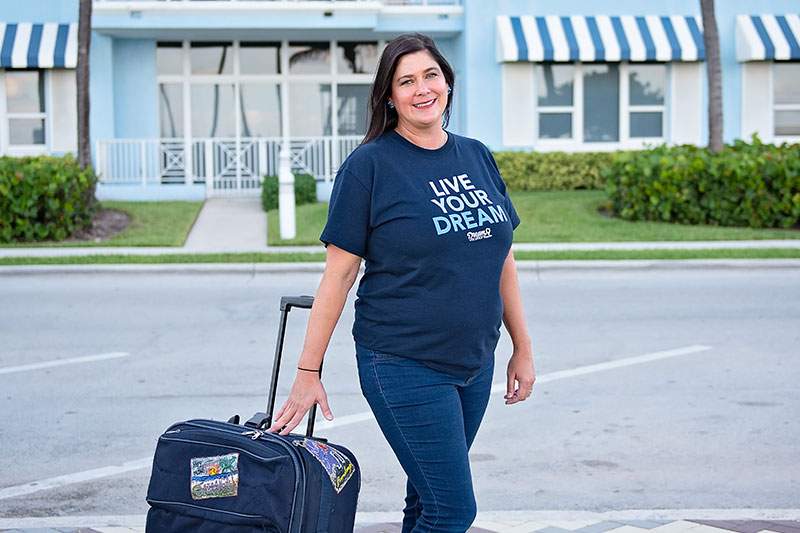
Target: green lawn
{"x": 310, "y": 219}
{"x": 767, "y": 253}
{"x": 560, "y": 216}
{"x": 152, "y": 224}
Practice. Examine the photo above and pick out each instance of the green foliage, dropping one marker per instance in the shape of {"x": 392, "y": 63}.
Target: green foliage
{"x": 530, "y": 171}
{"x": 305, "y": 191}
{"x": 44, "y": 198}
{"x": 747, "y": 184}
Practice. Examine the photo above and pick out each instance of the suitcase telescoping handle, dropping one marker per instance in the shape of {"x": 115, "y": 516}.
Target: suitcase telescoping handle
{"x": 264, "y": 420}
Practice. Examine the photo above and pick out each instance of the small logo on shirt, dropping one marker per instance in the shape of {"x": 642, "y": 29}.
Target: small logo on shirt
{"x": 478, "y": 235}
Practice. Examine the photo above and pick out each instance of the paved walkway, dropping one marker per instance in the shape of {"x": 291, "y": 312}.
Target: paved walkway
{"x": 229, "y": 224}
{"x": 488, "y": 522}
{"x": 212, "y": 241}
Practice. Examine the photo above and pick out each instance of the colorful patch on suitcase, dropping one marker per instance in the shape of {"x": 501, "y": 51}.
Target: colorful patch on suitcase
{"x": 338, "y": 466}
{"x": 215, "y": 477}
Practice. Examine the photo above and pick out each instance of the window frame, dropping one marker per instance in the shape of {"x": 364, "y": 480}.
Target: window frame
{"x": 576, "y": 142}
{"x": 6, "y": 148}
{"x": 283, "y": 79}
{"x": 779, "y": 107}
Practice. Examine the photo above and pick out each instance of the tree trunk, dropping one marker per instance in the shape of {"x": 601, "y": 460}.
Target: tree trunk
{"x": 714, "y": 70}
{"x": 82, "y": 82}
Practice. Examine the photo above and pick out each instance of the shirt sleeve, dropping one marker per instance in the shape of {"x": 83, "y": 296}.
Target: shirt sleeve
{"x": 348, "y": 215}
{"x": 507, "y": 204}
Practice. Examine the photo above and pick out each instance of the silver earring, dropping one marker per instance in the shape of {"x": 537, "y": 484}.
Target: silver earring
{"x": 390, "y": 104}
{"x": 449, "y": 89}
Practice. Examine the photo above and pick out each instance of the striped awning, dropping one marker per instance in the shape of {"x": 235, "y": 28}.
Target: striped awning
{"x": 767, "y": 37}
{"x": 32, "y": 45}
{"x": 600, "y": 38}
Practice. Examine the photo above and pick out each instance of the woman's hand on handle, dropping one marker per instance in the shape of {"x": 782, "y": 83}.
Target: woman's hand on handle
{"x": 306, "y": 391}
{"x": 521, "y": 375}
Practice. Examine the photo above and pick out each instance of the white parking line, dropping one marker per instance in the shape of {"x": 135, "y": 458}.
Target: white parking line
{"x": 60, "y": 362}
{"x": 145, "y": 462}
{"x": 78, "y": 477}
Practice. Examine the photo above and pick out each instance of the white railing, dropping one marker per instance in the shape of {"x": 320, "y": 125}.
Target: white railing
{"x": 224, "y": 165}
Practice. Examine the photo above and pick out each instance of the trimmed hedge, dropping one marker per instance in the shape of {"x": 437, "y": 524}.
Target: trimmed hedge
{"x": 747, "y": 184}
{"x": 530, "y": 171}
{"x": 44, "y": 198}
{"x": 305, "y": 191}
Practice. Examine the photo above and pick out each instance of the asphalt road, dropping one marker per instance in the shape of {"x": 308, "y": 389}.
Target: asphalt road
{"x": 701, "y": 409}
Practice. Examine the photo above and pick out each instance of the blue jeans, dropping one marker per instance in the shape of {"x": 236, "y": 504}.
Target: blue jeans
{"x": 430, "y": 419}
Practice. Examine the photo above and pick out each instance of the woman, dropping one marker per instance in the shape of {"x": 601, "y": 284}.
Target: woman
{"x": 428, "y": 211}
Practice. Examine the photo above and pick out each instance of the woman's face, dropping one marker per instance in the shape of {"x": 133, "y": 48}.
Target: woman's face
{"x": 419, "y": 91}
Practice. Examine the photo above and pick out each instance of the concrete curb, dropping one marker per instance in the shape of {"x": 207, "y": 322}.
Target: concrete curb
{"x": 521, "y": 247}
{"x": 252, "y": 269}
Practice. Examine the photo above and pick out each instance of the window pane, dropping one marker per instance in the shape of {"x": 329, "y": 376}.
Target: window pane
{"x": 647, "y": 84}
{"x": 356, "y": 58}
{"x": 787, "y": 122}
{"x": 555, "y": 125}
{"x": 310, "y": 109}
{"x": 259, "y": 58}
{"x": 25, "y": 91}
{"x": 351, "y": 106}
{"x": 646, "y": 124}
{"x": 169, "y": 58}
{"x": 170, "y": 109}
{"x": 212, "y": 58}
{"x": 786, "y": 83}
{"x": 554, "y": 84}
{"x": 601, "y": 103}
{"x": 213, "y": 111}
{"x": 310, "y": 58}
{"x": 261, "y": 109}
{"x": 26, "y": 131}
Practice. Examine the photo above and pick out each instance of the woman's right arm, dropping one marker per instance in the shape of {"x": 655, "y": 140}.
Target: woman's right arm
{"x": 341, "y": 271}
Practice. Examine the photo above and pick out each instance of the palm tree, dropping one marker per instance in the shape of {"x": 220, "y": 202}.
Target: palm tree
{"x": 714, "y": 72}
{"x": 82, "y": 80}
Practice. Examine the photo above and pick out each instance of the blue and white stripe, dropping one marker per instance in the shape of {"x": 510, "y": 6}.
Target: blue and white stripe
{"x": 768, "y": 37}
{"x": 32, "y": 45}
{"x": 600, "y": 38}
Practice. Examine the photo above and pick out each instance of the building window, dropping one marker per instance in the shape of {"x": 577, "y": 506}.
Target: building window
{"x": 25, "y": 107}
{"x": 647, "y": 86}
{"x": 556, "y": 108}
{"x": 230, "y": 89}
{"x": 211, "y": 58}
{"x": 786, "y": 98}
{"x": 600, "y": 102}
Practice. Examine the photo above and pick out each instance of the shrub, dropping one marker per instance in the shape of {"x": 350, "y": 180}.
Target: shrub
{"x": 529, "y": 171}
{"x": 746, "y": 184}
{"x": 305, "y": 191}
{"x": 44, "y": 198}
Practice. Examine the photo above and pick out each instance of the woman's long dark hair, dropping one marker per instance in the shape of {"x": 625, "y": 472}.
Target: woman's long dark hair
{"x": 381, "y": 117}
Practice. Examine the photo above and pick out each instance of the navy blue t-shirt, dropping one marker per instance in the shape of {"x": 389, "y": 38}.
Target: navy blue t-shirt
{"x": 434, "y": 228}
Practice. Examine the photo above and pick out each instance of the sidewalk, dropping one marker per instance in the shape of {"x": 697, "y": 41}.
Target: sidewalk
{"x": 239, "y": 225}
{"x": 655, "y": 521}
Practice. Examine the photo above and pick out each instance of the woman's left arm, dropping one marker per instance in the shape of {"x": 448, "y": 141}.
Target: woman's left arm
{"x": 520, "y": 366}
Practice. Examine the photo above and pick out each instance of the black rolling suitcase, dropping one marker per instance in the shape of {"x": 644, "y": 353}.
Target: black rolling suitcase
{"x": 211, "y": 476}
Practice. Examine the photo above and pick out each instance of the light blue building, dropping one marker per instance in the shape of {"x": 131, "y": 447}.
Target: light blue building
{"x": 195, "y": 98}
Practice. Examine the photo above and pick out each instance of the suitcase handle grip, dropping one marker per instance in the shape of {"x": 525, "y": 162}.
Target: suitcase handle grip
{"x": 305, "y": 302}
{"x": 287, "y": 302}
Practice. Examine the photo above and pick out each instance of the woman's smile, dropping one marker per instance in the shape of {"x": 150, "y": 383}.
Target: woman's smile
{"x": 425, "y": 104}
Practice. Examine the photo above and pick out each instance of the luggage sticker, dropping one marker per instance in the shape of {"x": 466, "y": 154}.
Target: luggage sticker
{"x": 338, "y": 466}
{"x": 215, "y": 477}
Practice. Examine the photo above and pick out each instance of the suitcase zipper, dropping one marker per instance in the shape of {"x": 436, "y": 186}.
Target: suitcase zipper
{"x": 262, "y": 519}
{"x": 300, "y": 473}
{"x": 206, "y": 443}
